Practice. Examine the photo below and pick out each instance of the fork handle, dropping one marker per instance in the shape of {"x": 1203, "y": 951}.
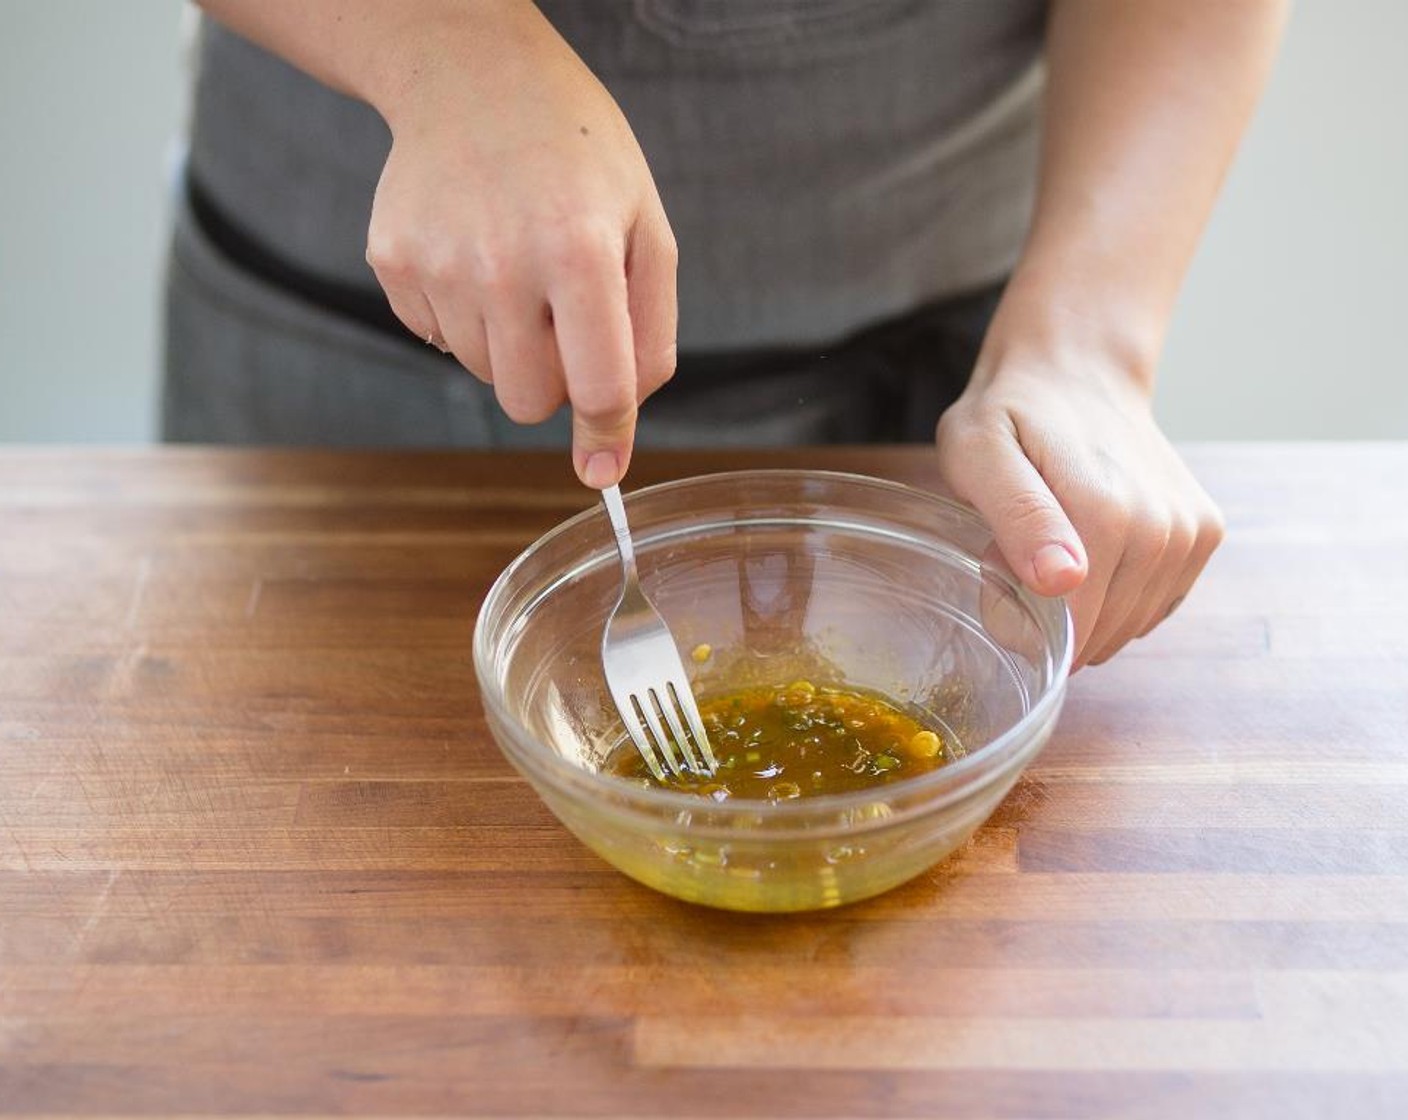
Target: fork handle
{"x": 616, "y": 511}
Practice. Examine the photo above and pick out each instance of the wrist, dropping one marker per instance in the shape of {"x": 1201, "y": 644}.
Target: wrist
{"x": 433, "y": 47}
{"x": 1060, "y": 320}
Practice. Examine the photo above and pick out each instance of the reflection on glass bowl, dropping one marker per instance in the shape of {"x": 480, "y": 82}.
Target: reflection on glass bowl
{"x": 835, "y": 578}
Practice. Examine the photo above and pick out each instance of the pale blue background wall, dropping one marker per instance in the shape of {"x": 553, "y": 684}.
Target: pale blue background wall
{"x": 90, "y": 96}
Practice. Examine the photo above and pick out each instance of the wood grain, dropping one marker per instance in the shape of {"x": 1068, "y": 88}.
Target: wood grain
{"x": 259, "y": 856}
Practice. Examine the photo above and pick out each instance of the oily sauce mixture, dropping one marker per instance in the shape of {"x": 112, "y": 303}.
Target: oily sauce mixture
{"x": 775, "y": 744}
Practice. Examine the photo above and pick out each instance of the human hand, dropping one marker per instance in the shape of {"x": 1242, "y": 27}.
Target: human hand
{"x": 517, "y": 225}
{"x": 1053, "y": 440}
{"x": 1085, "y": 495}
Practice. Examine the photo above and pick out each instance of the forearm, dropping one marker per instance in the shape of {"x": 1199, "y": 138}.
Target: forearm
{"x": 1145, "y": 105}
{"x": 375, "y": 50}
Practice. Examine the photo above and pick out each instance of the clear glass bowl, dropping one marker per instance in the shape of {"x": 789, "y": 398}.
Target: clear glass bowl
{"x": 837, "y": 578}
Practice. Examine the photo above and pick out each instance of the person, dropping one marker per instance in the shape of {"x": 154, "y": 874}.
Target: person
{"x": 726, "y": 221}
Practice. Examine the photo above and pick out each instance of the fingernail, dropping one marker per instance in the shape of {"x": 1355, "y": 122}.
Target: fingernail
{"x": 601, "y": 470}
{"x": 1052, "y": 562}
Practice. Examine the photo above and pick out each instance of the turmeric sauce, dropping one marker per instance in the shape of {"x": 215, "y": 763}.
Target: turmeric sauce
{"x": 799, "y": 740}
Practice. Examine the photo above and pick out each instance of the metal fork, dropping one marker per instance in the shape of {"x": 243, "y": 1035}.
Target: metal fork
{"x": 644, "y": 671}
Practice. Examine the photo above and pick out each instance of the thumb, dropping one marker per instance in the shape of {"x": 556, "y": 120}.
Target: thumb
{"x": 1041, "y": 546}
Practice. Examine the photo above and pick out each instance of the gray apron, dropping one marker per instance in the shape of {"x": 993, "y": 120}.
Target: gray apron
{"x": 848, "y": 181}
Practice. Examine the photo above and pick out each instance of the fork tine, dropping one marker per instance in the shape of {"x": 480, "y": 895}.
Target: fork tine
{"x": 676, "y": 729}
{"x": 669, "y": 698}
{"x": 685, "y": 698}
{"x": 647, "y": 702}
{"x": 640, "y": 739}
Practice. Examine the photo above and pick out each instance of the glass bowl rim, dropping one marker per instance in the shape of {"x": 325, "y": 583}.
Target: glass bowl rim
{"x": 979, "y": 767}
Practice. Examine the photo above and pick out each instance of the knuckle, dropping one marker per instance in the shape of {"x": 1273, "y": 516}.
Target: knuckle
{"x": 1104, "y": 655}
{"x": 1160, "y": 616}
{"x": 1148, "y": 533}
{"x": 959, "y": 437}
{"x": 669, "y": 248}
{"x": 944, "y": 432}
{"x": 494, "y": 271}
{"x": 582, "y": 246}
{"x": 953, "y": 427}
{"x": 480, "y": 371}
{"x": 655, "y": 368}
{"x": 475, "y": 360}
{"x": 443, "y": 265}
{"x": 1028, "y": 507}
{"x": 390, "y": 257}
{"x": 1212, "y": 527}
{"x": 669, "y": 362}
{"x": 1183, "y": 534}
{"x": 1207, "y": 532}
{"x": 606, "y": 407}
{"x": 523, "y": 408}
{"x": 1117, "y": 508}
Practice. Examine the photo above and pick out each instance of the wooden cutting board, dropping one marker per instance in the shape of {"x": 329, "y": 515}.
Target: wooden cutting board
{"x": 258, "y": 854}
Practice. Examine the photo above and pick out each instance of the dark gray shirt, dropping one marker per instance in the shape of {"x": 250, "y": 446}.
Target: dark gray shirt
{"x": 825, "y": 164}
